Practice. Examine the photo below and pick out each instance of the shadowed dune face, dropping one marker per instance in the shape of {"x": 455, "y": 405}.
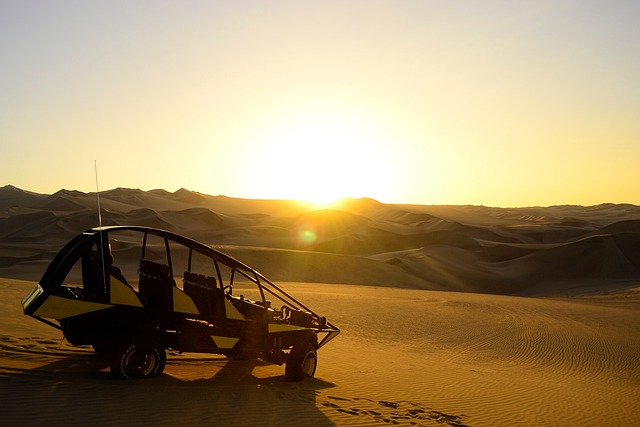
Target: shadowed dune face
{"x": 532, "y": 251}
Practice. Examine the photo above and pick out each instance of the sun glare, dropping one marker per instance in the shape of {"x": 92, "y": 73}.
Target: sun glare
{"x": 323, "y": 158}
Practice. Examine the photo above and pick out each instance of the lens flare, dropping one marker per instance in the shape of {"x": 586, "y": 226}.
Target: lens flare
{"x": 307, "y": 236}
{"x": 305, "y": 233}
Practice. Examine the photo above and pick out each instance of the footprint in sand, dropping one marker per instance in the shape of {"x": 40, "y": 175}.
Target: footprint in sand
{"x": 392, "y": 412}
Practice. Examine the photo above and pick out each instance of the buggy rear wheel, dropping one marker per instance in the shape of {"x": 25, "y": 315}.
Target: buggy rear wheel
{"x": 137, "y": 361}
{"x": 301, "y": 363}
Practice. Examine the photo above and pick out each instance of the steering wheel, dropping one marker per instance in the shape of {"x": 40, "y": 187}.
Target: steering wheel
{"x": 228, "y": 289}
{"x": 286, "y": 312}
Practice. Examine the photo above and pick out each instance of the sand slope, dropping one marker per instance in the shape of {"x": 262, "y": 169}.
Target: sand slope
{"x": 556, "y": 250}
{"x": 406, "y": 357}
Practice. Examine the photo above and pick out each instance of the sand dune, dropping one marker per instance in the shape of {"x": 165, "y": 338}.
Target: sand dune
{"x": 446, "y": 331}
{"x": 533, "y": 251}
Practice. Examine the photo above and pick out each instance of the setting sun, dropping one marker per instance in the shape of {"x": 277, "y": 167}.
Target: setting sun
{"x": 403, "y": 102}
{"x": 322, "y": 157}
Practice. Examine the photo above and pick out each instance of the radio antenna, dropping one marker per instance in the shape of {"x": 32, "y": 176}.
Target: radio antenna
{"x": 104, "y": 266}
{"x": 95, "y": 166}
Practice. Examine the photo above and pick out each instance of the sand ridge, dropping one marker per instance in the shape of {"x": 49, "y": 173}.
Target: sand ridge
{"x": 556, "y": 250}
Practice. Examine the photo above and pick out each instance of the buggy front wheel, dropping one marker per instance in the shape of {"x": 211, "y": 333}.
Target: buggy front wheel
{"x": 301, "y": 363}
{"x": 131, "y": 361}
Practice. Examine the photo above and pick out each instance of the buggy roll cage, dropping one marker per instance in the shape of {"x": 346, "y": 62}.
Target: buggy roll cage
{"x": 64, "y": 260}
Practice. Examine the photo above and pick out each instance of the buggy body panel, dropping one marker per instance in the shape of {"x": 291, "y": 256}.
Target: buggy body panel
{"x": 172, "y": 292}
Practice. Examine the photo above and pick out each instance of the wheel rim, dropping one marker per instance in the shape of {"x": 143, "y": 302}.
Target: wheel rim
{"x": 138, "y": 363}
{"x": 309, "y": 364}
{"x": 149, "y": 364}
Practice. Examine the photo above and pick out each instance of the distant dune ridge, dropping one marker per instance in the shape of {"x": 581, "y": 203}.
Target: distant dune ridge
{"x": 531, "y": 251}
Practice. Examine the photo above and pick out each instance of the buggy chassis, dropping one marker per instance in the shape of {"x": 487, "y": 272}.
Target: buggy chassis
{"x": 134, "y": 319}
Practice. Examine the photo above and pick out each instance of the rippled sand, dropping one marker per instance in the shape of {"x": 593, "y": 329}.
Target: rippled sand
{"x": 407, "y": 357}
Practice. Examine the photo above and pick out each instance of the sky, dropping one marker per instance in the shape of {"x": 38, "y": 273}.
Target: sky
{"x": 495, "y": 102}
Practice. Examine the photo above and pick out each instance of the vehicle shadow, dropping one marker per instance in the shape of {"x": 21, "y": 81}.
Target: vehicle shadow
{"x": 76, "y": 387}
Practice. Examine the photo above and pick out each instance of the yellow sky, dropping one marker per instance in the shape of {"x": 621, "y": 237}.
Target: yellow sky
{"x": 497, "y": 103}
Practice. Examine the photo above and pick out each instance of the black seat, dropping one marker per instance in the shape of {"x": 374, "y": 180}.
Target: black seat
{"x": 92, "y": 275}
{"x": 156, "y": 285}
{"x": 208, "y": 298}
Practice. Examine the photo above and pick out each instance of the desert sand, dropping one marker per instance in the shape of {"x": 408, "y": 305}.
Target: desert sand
{"x": 407, "y": 357}
{"x": 450, "y": 315}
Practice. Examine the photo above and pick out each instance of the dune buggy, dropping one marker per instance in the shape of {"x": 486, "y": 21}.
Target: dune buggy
{"x": 167, "y": 291}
